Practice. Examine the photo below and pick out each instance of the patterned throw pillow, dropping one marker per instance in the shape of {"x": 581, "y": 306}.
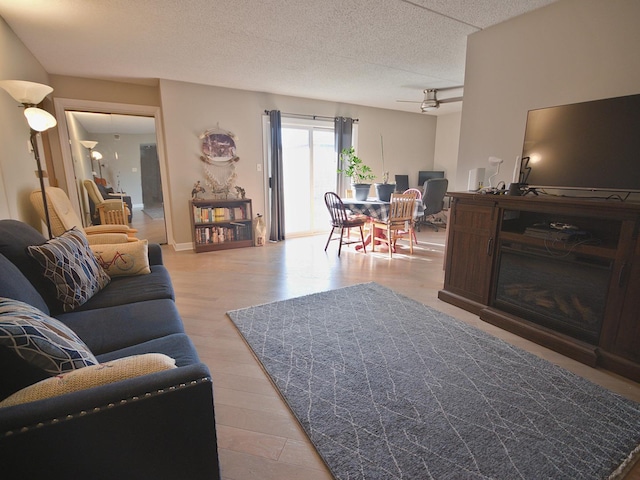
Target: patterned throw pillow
{"x": 93, "y": 376}
{"x": 71, "y": 265}
{"x": 120, "y": 259}
{"x": 39, "y": 340}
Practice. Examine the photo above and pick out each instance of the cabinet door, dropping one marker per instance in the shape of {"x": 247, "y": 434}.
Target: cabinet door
{"x": 470, "y": 250}
{"x": 627, "y": 342}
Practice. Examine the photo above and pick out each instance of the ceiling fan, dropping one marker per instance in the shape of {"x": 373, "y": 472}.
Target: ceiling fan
{"x": 431, "y": 101}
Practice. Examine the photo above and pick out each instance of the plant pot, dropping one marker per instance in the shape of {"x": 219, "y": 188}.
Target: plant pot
{"x": 360, "y": 190}
{"x": 384, "y": 191}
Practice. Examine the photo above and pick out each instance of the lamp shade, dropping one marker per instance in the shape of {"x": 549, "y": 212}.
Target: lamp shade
{"x": 88, "y": 144}
{"x": 38, "y": 119}
{"x": 96, "y": 155}
{"x": 22, "y": 91}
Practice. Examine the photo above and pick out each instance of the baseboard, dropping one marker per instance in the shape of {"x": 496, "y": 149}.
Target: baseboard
{"x": 181, "y": 247}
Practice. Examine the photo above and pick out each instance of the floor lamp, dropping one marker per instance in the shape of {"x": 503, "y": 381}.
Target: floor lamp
{"x": 93, "y": 155}
{"x": 30, "y": 94}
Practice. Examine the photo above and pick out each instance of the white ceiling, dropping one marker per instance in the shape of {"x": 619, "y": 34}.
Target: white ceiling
{"x": 366, "y": 52}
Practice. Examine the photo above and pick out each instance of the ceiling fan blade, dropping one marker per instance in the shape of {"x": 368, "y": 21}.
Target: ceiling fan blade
{"x": 450, "y": 100}
{"x": 444, "y": 89}
{"x": 409, "y": 101}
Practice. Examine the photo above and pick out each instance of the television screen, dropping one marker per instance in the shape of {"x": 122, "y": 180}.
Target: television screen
{"x": 588, "y": 146}
{"x": 424, "y": 175}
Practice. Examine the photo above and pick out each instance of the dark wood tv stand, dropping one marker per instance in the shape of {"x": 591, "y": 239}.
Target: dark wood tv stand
{"x": 574, "y": 291}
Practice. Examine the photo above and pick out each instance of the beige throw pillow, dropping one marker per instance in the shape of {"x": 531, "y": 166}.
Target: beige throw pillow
{"x": 93, "y": 376}
{"x": 120, "y": 259}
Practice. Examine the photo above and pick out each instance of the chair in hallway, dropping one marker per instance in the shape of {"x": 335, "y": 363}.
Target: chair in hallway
{"x": 341, "y": 219}
{"x": 109, "y": 211}
{"x": 63, "y": 217}
{"x": 399, "y": 221}
{"x": 433, "y": 200}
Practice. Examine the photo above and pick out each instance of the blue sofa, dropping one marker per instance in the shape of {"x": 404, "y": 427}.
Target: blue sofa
{"x": 156, "y": 426}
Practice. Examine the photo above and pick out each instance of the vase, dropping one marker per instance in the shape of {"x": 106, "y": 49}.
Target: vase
{"x": 384, "y": 191}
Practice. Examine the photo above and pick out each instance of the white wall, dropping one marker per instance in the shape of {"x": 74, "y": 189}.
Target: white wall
{"x": 567, "y": 52}
{"x": 189, "y": 110}
{"x": 447, "y": 142}
{"x": 17, "y": 164}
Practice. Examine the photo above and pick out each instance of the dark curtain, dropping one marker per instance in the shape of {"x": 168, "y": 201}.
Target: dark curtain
{"x": 276, "y": 232}
{"x": 343, "y": 128}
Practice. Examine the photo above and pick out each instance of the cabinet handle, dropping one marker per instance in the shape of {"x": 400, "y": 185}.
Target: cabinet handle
{"x": 489, "y": 246}
{"x": 621, "y": 275}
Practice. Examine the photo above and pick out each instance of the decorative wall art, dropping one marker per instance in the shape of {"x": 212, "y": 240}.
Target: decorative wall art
{"x": 219, "y": 158}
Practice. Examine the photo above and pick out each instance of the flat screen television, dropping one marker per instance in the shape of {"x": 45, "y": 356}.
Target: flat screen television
{"x": 584, "y": 146}
{"x": 424, "y": 175}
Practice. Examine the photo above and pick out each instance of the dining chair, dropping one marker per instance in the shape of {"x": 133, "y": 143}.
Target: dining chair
{"x": 400, "y": 220}
{"x": 418, "y": 195}
{"x": 341, "y": 219}
{"x": 433, "y": 200}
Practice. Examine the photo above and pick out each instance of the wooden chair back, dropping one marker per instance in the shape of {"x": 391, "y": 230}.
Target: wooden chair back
{"x": 401, "y": 208}
{"x": 336, "y": 208}
{"x": 414, "y": 191}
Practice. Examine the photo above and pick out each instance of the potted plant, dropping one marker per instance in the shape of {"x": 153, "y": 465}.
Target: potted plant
{"x": 358, "y": 172}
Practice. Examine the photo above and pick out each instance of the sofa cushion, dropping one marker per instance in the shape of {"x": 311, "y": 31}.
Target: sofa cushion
{"x": 36, "y": 346}
{"x": 92, "y": 376}
{"x": 112, "y": 328}
{"x": 70, "y": 264}
{"x": 123, "y": 259}
{"x": 13, "y": 284}
{"x": 15, "y": 237}
{"x": 125, "y": 290}
{"x": 177, "y": 346}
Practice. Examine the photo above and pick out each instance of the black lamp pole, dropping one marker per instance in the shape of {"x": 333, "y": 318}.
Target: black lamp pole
{"x": 36, "y": 153}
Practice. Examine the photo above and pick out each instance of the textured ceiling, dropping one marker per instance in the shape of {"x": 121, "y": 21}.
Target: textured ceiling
{"x": 367, "y": 52}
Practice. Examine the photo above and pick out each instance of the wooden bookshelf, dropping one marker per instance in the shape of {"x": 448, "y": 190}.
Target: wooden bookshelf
{"x": 221, "y": 224}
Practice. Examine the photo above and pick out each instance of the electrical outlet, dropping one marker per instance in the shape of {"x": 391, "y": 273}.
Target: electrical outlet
{"x": 259, "y": 167}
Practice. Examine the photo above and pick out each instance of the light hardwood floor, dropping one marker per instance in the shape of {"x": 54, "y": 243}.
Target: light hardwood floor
{"x": 258, "y": 437}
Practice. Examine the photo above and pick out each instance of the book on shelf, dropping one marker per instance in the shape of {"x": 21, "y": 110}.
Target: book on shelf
{"x": 219, "y": 214}
{"x": 219, "y": 234}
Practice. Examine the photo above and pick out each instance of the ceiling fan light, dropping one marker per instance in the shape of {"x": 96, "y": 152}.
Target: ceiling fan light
{"x": 22, "y": 91}
{"x": 38, "y": 119}
{"x": 429, "y": 106}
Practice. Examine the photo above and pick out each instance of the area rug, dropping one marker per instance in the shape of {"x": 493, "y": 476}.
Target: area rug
{"x": 388, "y": 388}
{"x": 154, "y": 212}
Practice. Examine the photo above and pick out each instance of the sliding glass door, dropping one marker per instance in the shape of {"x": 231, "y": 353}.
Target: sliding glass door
{"x": 309, "y": 170}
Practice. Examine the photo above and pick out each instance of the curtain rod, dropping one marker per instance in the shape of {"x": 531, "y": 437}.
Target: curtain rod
{"x": 313, "y": 117}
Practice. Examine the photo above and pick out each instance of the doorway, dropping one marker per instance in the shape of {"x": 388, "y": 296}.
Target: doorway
{"x": 129, "y": 164}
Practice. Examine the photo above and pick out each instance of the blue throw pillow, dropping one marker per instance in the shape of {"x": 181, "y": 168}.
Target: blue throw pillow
{"x": 34, "y": 346}
{"x": 70, "y": 264}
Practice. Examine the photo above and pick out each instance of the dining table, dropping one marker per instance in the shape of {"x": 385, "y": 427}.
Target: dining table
{"x": 376, "y": 210}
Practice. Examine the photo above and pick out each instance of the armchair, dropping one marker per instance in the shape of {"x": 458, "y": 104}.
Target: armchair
{"x": 106, "y": 211}
{"x": 63, "y": 218}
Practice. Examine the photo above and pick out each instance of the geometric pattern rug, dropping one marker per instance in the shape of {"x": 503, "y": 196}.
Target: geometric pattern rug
{"x": 388, "y": 388}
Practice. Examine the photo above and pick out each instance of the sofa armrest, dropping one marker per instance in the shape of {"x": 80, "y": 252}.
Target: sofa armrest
{"x": 159, "y": 426}
{"x": 155, "y": 254}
